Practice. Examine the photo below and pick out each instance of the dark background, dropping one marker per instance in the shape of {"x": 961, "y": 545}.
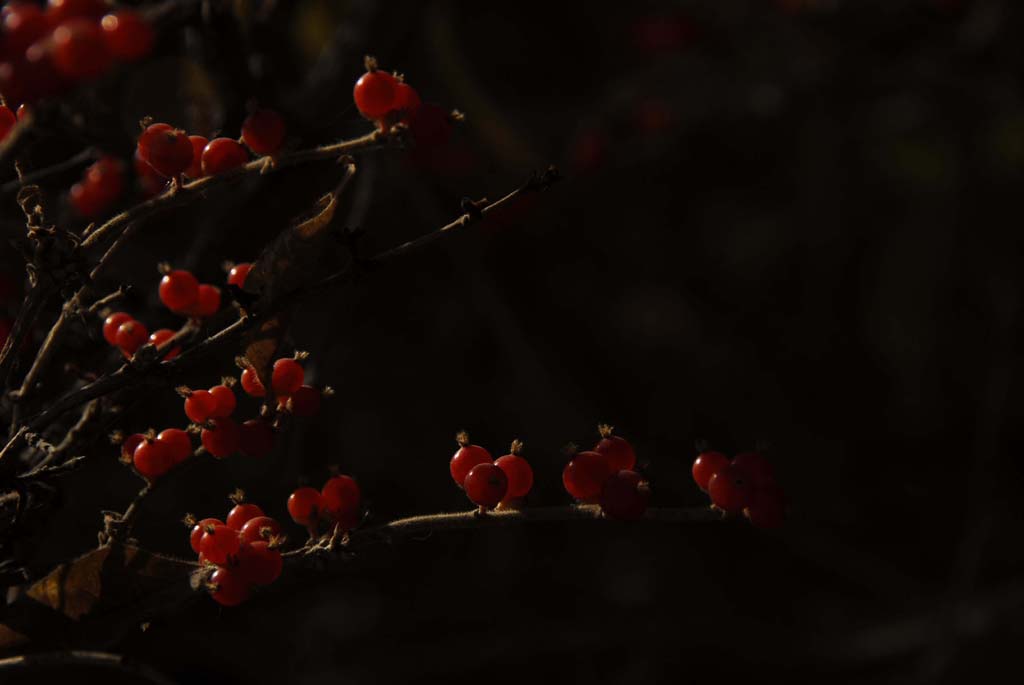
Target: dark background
{"x": 790, "y": 223}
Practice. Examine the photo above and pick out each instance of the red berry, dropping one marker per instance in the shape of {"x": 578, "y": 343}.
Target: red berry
{"x": 200, "y": 406}
{"x": 179, "y": 290}
{"x": 131, "y": 335}
{"x": 225, "y": 401}
{"x": 79, "y": 51}
{"x": 151, "y": 182}
{"x": 259, "y": 528}
{"x": 195, "y": 169}
{"x": 466, "y": 457}
{"x": 286, "y": 377}
{"x": 258, "y": 563}
{"x": 374, "y": 94}
{"x": 161, "y": 336}
{"x": 759, "y": 468}
{"x": 407, "y": 100}
{"x": 263, "y": 131}
{"x": 219, "y": 543}
{"x": 486, "y": 485}
{"x": 256, "y": 438}
{"x": 23, "y": 113}
{"x": 238, "y": 273}
{"x": 624, "y": 496}
{"x": 7, "y": 121}
{"x": 197, "y": 532}
{"x": 339, "y": 496}
{"x": 241, "y": 514}
{"x": 731, "y": 489}
{"x": 519, "y": 474}
{"x": 207, "y": 302}
{"x": 112, "y": 323}
{"x": 230, "y": 587}
{"x": 616, "y": 450}
{"x": 106, "y": 175}
{"x": 152, "y": 459}
{"x": 222, "y": 440}
{"x": 130, "y": 444}
{"x": 177, "y": 442}
{"x": 766, "y": 508}
{"x": 305, "y": 401}
{"x": 58, "y": 11}
{"x": 585, "y": 475}
{"x": 23, "y": 24}
{"x": 304, "y": 505}
{"x": 707, "y": 465}
{"x": 221, "y": 155}
{"x": 128, "y": 36}
{"x": 86, "y": 200}
{"x": 252, "y": 385}
{"x": 167, "y": 150}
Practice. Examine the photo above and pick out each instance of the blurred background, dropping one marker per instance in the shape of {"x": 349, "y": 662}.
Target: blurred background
{"x": 785, "y": 223}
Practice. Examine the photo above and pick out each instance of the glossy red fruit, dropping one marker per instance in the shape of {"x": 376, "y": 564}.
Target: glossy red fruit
{"x": 222, "y": 440}
{"x": 238, "y": 274}
{"x": 195, "y": 169}
{"x": 759, "y": 468}
{"x": 197, "y": 532}
{"x": 179, "y": 290}
{"x": 241, "y": 514}
{"x": 340, "y": 499}
{"x": 112, "y": 323}
{"x": 152, "y": 459}
{"x": 304, "y": 505}
{"x": 129, "y": 445}
{"x": 305, "y": 401}
{"x": 518, "y": 472}
{"x": 258, "y": 563}
{"x": 200, "y": 406}
{"x": 466, "y": 457}
{"x": 177, "y": 442}
{"x": 7, "y": 121}
{"x": 86, "y": 200}
{"x": 107, "y": 175}
{"x": 225, "y": 402}
{"x": 252, "y": 385}
{"x": 259, "y": 528}
{"x": 166, "y": 149}
{"x": 625, "y": 496}
{"x": 151, "y": 182}
{"x": 23, "y": 24}
{"x": 58, "y": 11}
{"x": 219, "y": 543}
{"x": 207, "y": 302}
{"x": 486, "y": 485}
{"x": 407, "y": 100}
{"x": 617, "y": 451}
{"x": 731, "y": 489}
{"x": 287, "y": 377}
{"x": 707, "y": 465}
{"x": 256, "y": 438}
{"x": 131, "y": 335}
{"x": 766, "y": 508}
{"x": 127, "y": 35}
{"x": 161, "y": 336}
{"x": 374, "y": 94}
{"x": 264, "y": 131}
{"x": 230, "y": 587}
{"x": 79, "y": 51}
{"x": 221, "y": 155}
{"x": 584, "y": 476}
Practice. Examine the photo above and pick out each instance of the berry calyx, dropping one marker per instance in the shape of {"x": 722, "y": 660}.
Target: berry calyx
{"x": 152, "y": 459}
{"x": 256, "y": 438}
{"x": 219, "y": 543}
{"x": 179, "y": 290}
{"x": 486, "y": 485}
{"x": 304, "y": 506}
{"x": 252, "y": 385}
{"x": 131, "y": 335}
{"x": 305, "y": 401}
{"x": 200, "y": 406}
{"x": 259, "y": 563}
{"x": 112, "y": 323}
{"x": 518, "y": 472}
{"x": 79, "y": 51}
{"x": 260, "y": 528}
{"x": 207, "y": 302}
{"x": 287, "y": 377}
{"x": 339, "y": 501}
{"x": 466, "y": 457}
{"x": 263, "y": 131}
{"x": 584, "y": 476}
{"x": 221, "y": 155}
{"x": 374, "y": 92}
{"x": 238, "y": 273}
{"x": 178, "y": 443}
{"x": 224, "y": 398}
{"x": 229, "y": 587}
{"x": 161, "y": 336}
{"x": 625, "y": 496}
{"x": 242, "y": 513}
{"x": 707, "y": 465}
{"x": 127, "y": 35}
{"x": 167, "y": 150}
{"x": 731, "y": 489}
{"x": 222, "y": 439}
{"x": 617, "y": 451}
{"x": 198, "y": 529}
{"x": 195, "y": 169}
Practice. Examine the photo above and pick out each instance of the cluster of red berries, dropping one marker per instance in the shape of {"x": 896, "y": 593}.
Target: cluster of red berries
{"x": 211, "y": 411}
{"x": 745, "y": 484}
{"x": 605, "y": 475}
{"x": 338, "y": 503}
{"x": 387, "y": 100}
{"x": 124, "y": 332}
{"x": 154, "y": 454}
{"x": 244, "y": 548}
{"x": 287, "y": 381}
{"x": 490, "y": 483}
{"x": 45, "y": 52}
{"x": 99, "y": 188}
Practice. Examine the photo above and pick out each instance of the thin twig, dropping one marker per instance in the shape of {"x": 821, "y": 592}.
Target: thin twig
{"x": 82, "y": 157}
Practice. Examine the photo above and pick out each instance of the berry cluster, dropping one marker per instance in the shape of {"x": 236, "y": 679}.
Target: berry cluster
{"x": 490, "y": 483}
{"x": 210, "y": 412}
{"x": 286, "y": 380}
{"x": 46, "y": 52}
{"x": 605, "y": 476}
{"x": 745, "y": 484}
{"x": 124, "y": 332}
{"x": 154, "y": 454}
{"x": 99, "y": 188}
{"x": 244, "y": 548}
{"x": 338, "y": 503}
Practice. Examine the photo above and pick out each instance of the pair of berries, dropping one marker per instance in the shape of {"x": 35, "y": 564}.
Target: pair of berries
{"x": 154, "y": 454}
{"x": 605, "y": 476}
{"x": 387, "y": 99}
{"x": 244, "y": 547}
{"x": 183, "y": 294}
{"x": 286, "y": 380}
{"x": 745, "y": 484}
{"x": 488, "y": 482}
{"x": 124, "y": 332}
{"x": 338, "y": 503}
{"x": 211, "y": 410}
{"x": 101, "y": 185}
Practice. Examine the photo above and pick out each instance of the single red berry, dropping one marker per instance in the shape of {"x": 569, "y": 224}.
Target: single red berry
{"x": 625, "y": 496}
{"x": 87, "y": 200}
{"x": 197, "y": 532}
{"x": 179, "y": 290}
{"x": 585, "y": 475}
{"x": 259, "y": 528}
{"x": 286, "y": 377}
{"x": 259, "y": 563}
{"x": 58, "y": 11}
{"x": 195, "y": 169}
{"x": 151, "y": 182}
{"x": 128, "y": 36}
{"x": 24, "y": 111}
{"x": 166, "y": 149}
{"x": 107, "y": 176}
{"x": 229, "y": 587}
{"x": 221, "y": 155}
{"x": 759, "y": 468}
{"x": 407, "y": 100}
{"x": 466, "y": 457}
{"x": 207, "y": 302}
{"x": 79, "y": 51}
{"x": 161, "y": 336}
{"x": 200, "y": 406}
{"x": 112, "y": 323}
{"x": 486, "y": 485}
{"x": 731, "y": 489}
{"x": 707, "y": 465}
{"x": 252, "y": 385}
{"x": 304, "y": 505}
{"x": 767, "y": 508}
{"x": 23, "y": 24}
{"x": 256, "y": 438}
{"x": 616, "y": 450}
{"x": 264, "y": 131}
{"x": 518, "y": 472}
{"x": 305, "y": 401}
{"x": 219, "y": 543}
{"x": 238, "y": 273}
{"x": 225, "y": 401}
{"x": 129, "y": 445}
{"x": 241, "y": 514}
{"x": 152, "y": 459}
{"x": 178, "y": 443}
{"x": 374, "y": 94}
{"x": 340, "y": 499}
{"x": 131, "y": 335}
{"x": 222, "y": 440}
